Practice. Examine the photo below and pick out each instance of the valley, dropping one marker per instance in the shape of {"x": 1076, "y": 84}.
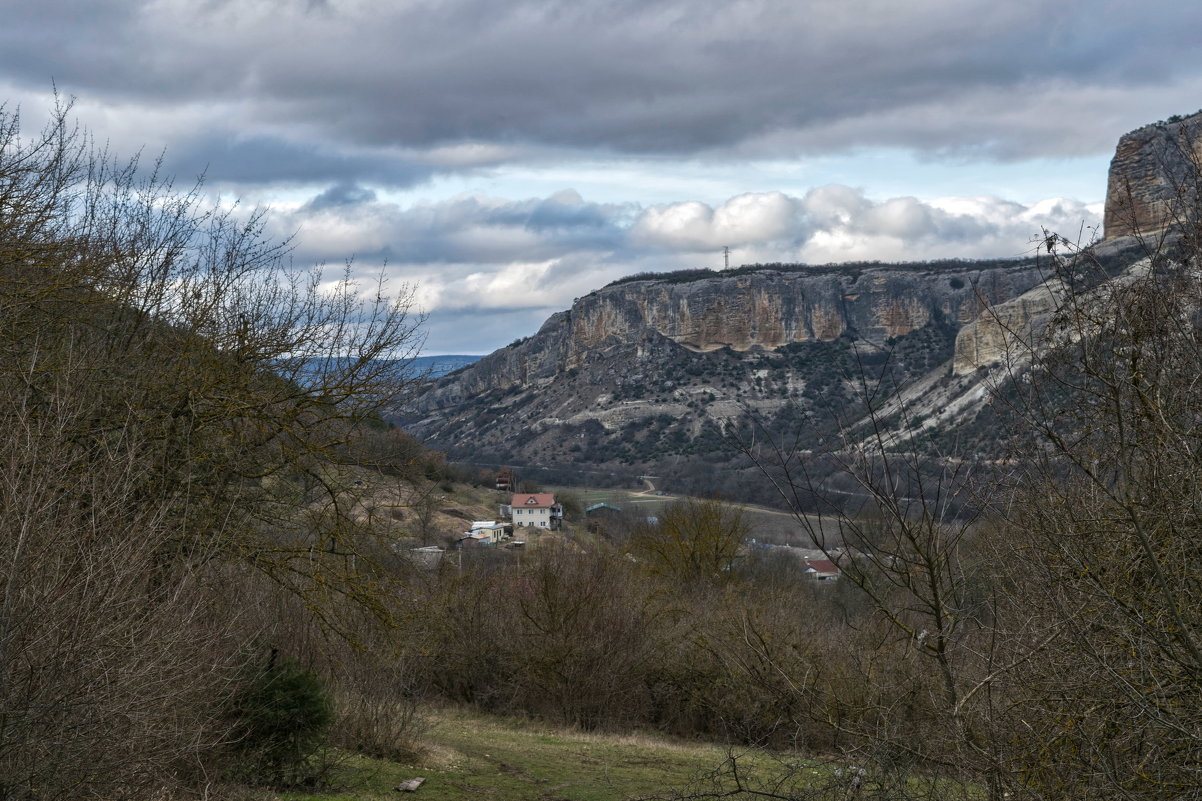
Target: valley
{"x": 252, "y": 553}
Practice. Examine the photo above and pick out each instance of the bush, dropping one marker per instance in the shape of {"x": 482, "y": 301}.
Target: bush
{"x": 283, "y": 717}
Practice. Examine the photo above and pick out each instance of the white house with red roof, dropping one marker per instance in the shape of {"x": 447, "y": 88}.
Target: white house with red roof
{"x": 535, "y": 510}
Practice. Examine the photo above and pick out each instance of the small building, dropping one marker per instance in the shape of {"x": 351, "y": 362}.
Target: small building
{"x": 506, "y": 481}
{"x": 821, "y": 569}
{"x": 489, "y": 530}
{"x": 605, "y": 519}
{"x": 429, "y": 556}
{"x": 534, "y": 510}
{"x": 475, "y": 538}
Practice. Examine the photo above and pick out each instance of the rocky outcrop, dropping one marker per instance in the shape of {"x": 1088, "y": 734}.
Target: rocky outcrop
{"x": 1006, "y": 332}
{"x": 1153, "y": 177}
{"x": 750, "y": 309}
{"x": 658, "y": 374}
{"x": 1010, "y": 333}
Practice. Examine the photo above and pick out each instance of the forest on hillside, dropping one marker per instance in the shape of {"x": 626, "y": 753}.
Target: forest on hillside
{"x": 192, "y": 602}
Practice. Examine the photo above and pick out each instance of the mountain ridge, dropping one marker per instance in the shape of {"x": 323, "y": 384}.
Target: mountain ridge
{"x": 661, "y": 372}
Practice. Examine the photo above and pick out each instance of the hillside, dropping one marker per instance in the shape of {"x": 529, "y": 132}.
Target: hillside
{"x": 659, "y": 375}
{"x": 666, "y": 373}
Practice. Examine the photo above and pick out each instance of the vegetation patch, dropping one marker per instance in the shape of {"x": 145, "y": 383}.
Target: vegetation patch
{"x": 469, "y": 755}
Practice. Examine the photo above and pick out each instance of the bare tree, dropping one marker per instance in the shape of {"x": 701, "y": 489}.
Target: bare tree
{"x": 1108, "y": 519}
{"x": 175, "y": 399}
{"x": 1060, "y": 632}
{"x": 692, "y": 541}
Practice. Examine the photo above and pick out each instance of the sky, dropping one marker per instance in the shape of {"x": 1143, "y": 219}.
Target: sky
{"x": 500, "y": 158}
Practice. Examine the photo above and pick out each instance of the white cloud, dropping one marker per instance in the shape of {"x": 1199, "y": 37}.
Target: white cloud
{"x": 692, "y": 226}
{"x": 493, "y": 256}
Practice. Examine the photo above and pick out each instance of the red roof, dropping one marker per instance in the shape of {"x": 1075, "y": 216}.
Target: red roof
{"x": 538, "y": 500}
{"x": 822, "y": 566}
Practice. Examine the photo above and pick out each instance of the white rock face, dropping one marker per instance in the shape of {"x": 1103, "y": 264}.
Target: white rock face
{"x": 1005, "y": 332}
{"x": 1011, "y": 333}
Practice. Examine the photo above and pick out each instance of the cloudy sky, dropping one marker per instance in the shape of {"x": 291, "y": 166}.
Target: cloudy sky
{"x": 506, "y": 156}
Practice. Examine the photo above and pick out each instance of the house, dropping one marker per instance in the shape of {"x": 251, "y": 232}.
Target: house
{"x": 605, "y": 519}
{"x": 490, "y": 531}
{"x": 535, "y": 510}
{"x": 821, "y": 569}
{"x": 481, "y": 538}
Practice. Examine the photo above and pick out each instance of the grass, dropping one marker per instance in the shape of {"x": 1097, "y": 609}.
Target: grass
{"x": 468, "y": 755}
{"x": 766, "y": 524}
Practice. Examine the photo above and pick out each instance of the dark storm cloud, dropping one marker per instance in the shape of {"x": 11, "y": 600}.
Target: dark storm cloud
{"x": 765, "y": 77}
{"x": 265, "y": 160}
{"x": 343, "y": 194}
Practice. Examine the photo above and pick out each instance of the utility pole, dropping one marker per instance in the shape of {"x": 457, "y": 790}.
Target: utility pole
{"x": 726, "y": 257}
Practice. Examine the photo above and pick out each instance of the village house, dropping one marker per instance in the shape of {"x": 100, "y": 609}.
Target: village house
{"x": 821, "y": 569}
{"x": 605, "y": 519}
{"x": 487, "y": 531}
{"x": 534, "y": 510}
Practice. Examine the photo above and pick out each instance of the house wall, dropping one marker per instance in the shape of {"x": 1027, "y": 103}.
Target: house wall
{"x": 536, "y": 518}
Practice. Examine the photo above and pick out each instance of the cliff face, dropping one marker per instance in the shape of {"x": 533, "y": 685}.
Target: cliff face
{"x": 1154, "y": 169}
{"x": 764, "y": 309}
{"x": 1006, "y": 329}
{"x": 664, "y": 375}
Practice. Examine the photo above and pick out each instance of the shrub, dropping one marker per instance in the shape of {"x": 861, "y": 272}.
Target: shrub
{"x": 283, "y": 715}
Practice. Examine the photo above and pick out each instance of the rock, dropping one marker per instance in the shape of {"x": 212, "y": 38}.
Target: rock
{"x": 410, "y": 786}
{"x": 1011, "y": 332}
{"x": 1004, "y": 332}
{"x": 658, "y": 368}
{"x": 765, "y": 308}
{"x": 1153, "y": 167}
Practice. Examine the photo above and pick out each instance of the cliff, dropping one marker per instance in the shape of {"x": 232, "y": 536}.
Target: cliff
{"x": 657, "y": 375}
{"x": 672, "y": 374}
{"x": 751, "y": 309}
{"x": 1153, "y": 177}
{"x": 1006, "y": 331}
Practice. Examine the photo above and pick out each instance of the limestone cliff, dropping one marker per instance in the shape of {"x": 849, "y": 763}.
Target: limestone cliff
{"x": 1153, "y": 176}
{"x": 1006, "y": 331}
{"x": 1009, "y": 333}
{"x": 665, "y": 374}
{"x": 655, "y": 376}
{"x": 744, "y": 310}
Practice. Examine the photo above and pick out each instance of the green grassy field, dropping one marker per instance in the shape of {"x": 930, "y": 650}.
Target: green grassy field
{"x": 480, "y": 757}
{"x": 766, "y": 525}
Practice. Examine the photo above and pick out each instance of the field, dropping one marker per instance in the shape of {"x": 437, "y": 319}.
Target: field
{"x": 766, "y": 525}
{"x": 474, "y": 756}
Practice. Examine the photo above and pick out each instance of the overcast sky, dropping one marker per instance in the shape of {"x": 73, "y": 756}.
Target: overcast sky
{"x": 507, "y": 156}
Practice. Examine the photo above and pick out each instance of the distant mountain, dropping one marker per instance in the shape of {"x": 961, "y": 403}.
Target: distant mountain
{"x": 666, "y": 374}
{"x": 425, "y": 367}
{"x": 438, "y": 366}
{"x": 654, "y": 375}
